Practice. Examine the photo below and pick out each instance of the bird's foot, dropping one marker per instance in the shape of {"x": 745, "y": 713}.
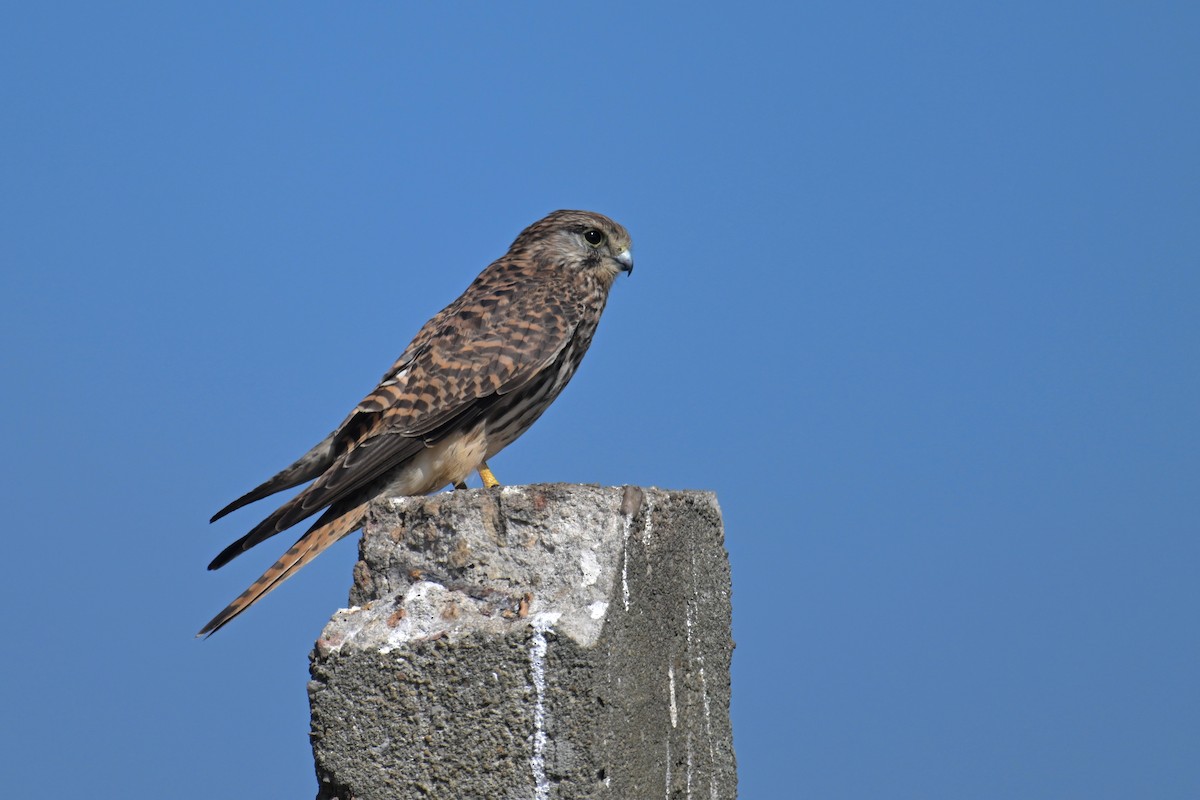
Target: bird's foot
{"x": 489, "y": 480}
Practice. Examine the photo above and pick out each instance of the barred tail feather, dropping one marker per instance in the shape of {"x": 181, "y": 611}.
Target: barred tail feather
{"x": 327, "y": 530}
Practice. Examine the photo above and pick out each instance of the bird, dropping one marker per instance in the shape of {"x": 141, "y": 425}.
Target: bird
{"x": 473, "y": 379}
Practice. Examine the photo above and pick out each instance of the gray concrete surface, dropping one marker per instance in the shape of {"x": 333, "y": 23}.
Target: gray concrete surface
{"x": 532, "y": 642}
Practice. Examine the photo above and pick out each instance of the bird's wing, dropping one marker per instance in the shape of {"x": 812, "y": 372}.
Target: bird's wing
{"x": 322, "y": 456}
{"x": 492, "y": 340}
{"x": 495, "y": 343}
{"x": 305, "y": 468}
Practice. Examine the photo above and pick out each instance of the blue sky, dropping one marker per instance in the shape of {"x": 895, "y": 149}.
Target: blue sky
{"x": 916, "y": 295}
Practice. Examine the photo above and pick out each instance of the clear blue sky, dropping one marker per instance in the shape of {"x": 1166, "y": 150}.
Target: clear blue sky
{"x": 917, "y": 294}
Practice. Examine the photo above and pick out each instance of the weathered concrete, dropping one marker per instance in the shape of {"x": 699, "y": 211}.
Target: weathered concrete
{"x": 531, "y": 642}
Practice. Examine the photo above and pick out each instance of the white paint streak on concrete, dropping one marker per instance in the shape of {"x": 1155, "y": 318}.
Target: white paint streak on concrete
{"x": 667, "y": 793}
{"x": 625, "y": 559}
{"x": 689, "y": 763}
{"x": 671, "y": 689}
{"x": 537, "y": 667}
{"x": 712, "y": 752}
{"x": 649, "y": 526}
{"x": 687, "y": 621}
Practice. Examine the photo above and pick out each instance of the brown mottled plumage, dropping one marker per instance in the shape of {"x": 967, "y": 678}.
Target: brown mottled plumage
{"x": 473, "y": 379}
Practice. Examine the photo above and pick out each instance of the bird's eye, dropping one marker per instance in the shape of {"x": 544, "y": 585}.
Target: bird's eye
{"x": 593, "y": 237}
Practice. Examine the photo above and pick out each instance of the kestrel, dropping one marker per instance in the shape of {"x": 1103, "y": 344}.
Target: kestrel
{"x": 473, "y": 379}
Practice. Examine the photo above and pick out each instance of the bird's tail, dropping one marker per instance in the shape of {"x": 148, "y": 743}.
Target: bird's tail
{"x": 333, "y": 525}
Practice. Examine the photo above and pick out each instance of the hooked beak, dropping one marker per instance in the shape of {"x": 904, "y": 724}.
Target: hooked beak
{"x": 625, "y": 257}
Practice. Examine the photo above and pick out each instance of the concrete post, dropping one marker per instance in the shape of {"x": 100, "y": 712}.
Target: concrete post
{"x": 532, "y": 642}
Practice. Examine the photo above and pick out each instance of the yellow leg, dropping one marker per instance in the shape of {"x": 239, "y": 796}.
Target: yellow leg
{"x": 485, "y": 474}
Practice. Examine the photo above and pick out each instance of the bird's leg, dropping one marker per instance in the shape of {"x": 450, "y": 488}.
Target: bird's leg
{"x": 485, "y": 474}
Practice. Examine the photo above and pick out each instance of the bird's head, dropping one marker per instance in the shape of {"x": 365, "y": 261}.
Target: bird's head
{"x": 581, "y": 240}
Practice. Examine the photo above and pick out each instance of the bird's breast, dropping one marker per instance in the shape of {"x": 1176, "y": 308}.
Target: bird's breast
{"x": 515, "y": 412}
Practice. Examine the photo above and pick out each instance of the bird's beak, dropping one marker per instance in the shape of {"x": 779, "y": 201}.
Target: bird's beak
{"x": 625, "y": 257}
